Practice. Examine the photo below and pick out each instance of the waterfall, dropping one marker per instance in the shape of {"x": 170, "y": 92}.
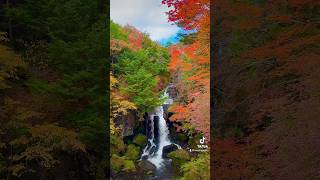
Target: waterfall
{"x": 153, "y": 151}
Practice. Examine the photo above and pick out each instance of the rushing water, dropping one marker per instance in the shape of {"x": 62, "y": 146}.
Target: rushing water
{"x": 155, "y": 156}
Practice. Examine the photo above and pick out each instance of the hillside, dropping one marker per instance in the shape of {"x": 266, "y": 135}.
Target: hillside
{"x": 266, "y": 76}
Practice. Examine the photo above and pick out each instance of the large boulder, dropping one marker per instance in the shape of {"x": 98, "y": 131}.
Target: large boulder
{"x": 168, "y": 149}
{"x": 146, "y": 167}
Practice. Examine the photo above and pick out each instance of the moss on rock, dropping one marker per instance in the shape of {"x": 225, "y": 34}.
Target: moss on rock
{"x": 140, "y": 140}
{"x": 117, "y": 162}
{"x": 129, "y": 166}
{"x": 179, "y": 157}
{"x": 132, "y": 152}
{"x": 117, "y": 145}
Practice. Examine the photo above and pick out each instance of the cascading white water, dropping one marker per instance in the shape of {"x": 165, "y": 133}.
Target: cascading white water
{"x": 155, "y": 157}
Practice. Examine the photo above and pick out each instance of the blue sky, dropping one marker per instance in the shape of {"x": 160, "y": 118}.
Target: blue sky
{"x": 147, "y": 16}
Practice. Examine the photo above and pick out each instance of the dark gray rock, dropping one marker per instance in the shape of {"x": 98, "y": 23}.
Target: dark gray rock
{"x": 156, "y": 128}
{"x": 153, "y": 149}
{"x": 128, "y": 123}
{"x": 145, "y": 157}
{"x": 168, "y": 149}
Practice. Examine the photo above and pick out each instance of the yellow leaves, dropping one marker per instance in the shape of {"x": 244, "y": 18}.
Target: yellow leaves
{"x": 18, "y": 170}
{"x": 39, "y": 153}
{"x": 113, "y": 81}
{"x": 124, "y": 105}
{"x": 119, "y": 105}
{"x": 113, "y": 128}
{"x": 9, "y": 63}
{"x": 57, "y": 137}
{"x": 9, "y": 59}
{"x": 19, "y": 113}
{"x": 26, "y": 114}
{"x": 3, "y": 37}
{"x": 41, "y": 145}
{"x": 20, "y": 141}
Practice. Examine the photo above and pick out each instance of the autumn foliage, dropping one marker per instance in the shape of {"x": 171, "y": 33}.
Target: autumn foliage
{"x": 265, "y": 54}
{"x": 135, "y": 37}
{"x": 190, "y": 63}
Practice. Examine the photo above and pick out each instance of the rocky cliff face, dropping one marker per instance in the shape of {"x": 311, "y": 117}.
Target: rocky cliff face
{"x": 128, "y": 123}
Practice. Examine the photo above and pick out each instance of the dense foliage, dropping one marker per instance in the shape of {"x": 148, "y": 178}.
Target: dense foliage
{"x": 53, "y": 92}
{"x": 265, "y": 88}
{"x": 190, "y": 65}
{"x": 138, "y": 76}
{"x": 190, "y": 71}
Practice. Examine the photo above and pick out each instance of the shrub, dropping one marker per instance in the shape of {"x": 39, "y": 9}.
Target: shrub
{"x": 179, "y": 157}
{"x": 140, "y": 140}
{"x": 129, "y": 166}
{"x": 117, "y": 144}
{"x": 117, "y": 163}
{"x": 198, "y": 168}
{"x": 132, "y": 152}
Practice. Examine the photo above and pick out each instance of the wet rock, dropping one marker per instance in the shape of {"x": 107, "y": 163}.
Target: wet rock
{"x": 140, "y": 140}
{"x": 168, "y": 149}
{"x": 165, "y": 111}
{"x": 128, "y": 123}
{"x": 148, "y": 125}
{"x": 145, "y": 157}
{"x": 172, "y": 91}
{"x": 156, "y": 128}
{"x": 146, "y": 167}
{"x": 153, "y": 149}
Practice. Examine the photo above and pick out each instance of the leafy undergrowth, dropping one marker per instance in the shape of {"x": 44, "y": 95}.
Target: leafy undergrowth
{"x": 267, "y": 74}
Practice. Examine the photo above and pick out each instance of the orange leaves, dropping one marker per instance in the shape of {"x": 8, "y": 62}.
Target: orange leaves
{"x": 190, "y": 64}
{"x": 282, "y": 49}
{"x": 194, "y": 87}
{"x": 175, "y": 62}
{"x": 200, "y": 79}
{"x": 135, "y": 37}
{"x": 189, "y": 18}
{"x": 196, "y": 112}
{"x": 180, "y": 113}
{"x": 186, "y": 58}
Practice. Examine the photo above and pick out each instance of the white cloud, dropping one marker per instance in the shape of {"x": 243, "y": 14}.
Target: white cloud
{"x": 146, "y": 15}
